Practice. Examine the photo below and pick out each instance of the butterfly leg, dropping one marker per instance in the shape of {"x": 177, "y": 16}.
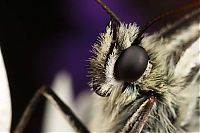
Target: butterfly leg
{"x": 50, "y": 95}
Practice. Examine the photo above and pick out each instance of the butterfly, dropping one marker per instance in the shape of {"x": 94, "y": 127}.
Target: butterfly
{"x": 143, "y": 83}
{"x": 144, "y": 79}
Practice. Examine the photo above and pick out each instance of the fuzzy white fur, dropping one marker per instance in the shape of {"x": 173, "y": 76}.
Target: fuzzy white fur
{"x": 168, "y": 76}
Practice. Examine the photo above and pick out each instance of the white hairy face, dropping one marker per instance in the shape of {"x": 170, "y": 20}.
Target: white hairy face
{"x": 172, "y": 77}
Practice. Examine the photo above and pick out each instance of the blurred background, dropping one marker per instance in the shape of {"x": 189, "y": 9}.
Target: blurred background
{"x": 39, "y": 38}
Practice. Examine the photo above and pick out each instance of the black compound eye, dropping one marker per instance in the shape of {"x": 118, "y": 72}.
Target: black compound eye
{"x": 131, "y": 64}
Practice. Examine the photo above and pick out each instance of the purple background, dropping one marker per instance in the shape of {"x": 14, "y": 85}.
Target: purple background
{"x": 42, "y": 37}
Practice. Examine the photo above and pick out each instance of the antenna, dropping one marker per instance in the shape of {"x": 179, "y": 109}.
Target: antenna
{"x": 194, "y": 4}
{"x": 112, "y": 15}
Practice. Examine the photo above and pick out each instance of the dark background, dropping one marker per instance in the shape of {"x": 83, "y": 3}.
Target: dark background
{"x": 39, "y": 38}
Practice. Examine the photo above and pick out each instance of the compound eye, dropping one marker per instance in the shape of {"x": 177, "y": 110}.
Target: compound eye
{"x": 131, "y": 64}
